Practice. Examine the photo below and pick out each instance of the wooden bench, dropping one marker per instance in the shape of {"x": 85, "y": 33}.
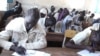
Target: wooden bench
{"x": 51, "y": 36}
{"x": 54, "y": 39}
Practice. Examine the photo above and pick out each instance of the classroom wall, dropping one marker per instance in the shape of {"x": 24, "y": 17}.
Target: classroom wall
{"x": 42, "y": 3}
{"x": 27, "y": 4}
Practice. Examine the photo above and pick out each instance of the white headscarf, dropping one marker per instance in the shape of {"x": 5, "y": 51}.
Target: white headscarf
{"x": 44, "y": 11}
{"x": 96, "y": 26}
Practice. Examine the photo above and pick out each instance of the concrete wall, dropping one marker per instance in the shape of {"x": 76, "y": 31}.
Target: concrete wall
{"x": 27, "y": 4}
{"x": 57, "y": 3}
{"x": 42, "y": 3}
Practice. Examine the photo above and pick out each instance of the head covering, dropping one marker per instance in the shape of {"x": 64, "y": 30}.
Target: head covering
{"x": 44, "y": 11}
{"x": 96, "y": 26}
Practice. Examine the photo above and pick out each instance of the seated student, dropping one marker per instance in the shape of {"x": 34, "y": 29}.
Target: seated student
{"x": 60, "y": 12}
{"x": 63, "y": 14}
{"x": 17, "y": 9}
{"x": 76, "y": 23}
{"x": 46, "y": 21}
{"x": 73, "y": 12}
{"x": 43, "y": 16}
{"x": 81, "y": 39}
{"x": 90, "y": 19}
{"x": 52, "y": 9}
{"x": 57, "y": 14}
{"x": 66, "y": 22}
{"x": 50, "y": 23}
{"x": 75, "y": 18}
{"x": 26, "y": 33}
{"x": 82, "y": 16}
{"x": 88, "y": 13}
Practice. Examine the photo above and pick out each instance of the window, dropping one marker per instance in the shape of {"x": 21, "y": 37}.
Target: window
{"x": 97, "y": 8}
{"x": 3, "y": 5}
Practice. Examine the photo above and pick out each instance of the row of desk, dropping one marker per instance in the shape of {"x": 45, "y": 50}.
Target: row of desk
{"x": 54, "y": 51}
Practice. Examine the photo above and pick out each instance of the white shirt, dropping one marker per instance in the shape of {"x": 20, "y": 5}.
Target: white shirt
{"x": 81, "y": 36}
{"x": 16, "y": 29}
{"x": 67, "y": 18}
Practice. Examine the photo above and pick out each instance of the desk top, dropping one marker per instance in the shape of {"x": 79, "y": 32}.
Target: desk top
{"x": 55, "y": 33}
{"x": 54, "y": 51}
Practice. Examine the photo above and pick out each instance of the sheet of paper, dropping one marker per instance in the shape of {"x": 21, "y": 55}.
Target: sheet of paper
{"x": 87, "y": 53}
{"x": 32, "y": 53}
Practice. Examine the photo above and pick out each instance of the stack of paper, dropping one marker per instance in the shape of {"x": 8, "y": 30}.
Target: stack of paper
{"x": 32, "y": 53}
{"x": 87, "y": 53}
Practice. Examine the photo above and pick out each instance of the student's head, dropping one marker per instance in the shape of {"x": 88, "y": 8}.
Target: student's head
{"x": 76, "y": 12}
{"x": 82, "y": 13}
{"x": 66, "y": 12}
{"x": 50, "y": 21}
{"x": 92, "y": 15}
{"x": 60, "y": 10}
{"x": 17, "y": 2}
{"x": 89, "y": 12}
{"x": 32, "y": 16}
{"x": 52, "y": 8}
{"x": 73, "y": 10}
{"x": 43, "y": 12}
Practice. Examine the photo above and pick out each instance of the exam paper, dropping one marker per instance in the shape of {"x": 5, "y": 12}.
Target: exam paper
{"x": 87, "y": 53}
{"x": 32, "y": 53}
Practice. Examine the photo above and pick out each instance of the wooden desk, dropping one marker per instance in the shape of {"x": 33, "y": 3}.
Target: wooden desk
{"x": 53, "y": 51}
{"x": 57, "y": 37}
{"x": 54, "y": 39}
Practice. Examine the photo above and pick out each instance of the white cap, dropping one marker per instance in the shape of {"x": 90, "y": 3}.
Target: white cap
{"x": 96, "y": 26}
{"x": 44, "y": 11}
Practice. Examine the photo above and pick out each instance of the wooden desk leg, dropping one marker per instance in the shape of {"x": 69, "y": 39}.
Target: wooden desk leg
{"x": 1, "y": 49}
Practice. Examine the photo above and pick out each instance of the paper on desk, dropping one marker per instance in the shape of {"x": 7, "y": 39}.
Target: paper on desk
{"x": 32, "y": 53}
{"x": 87, "y": 53}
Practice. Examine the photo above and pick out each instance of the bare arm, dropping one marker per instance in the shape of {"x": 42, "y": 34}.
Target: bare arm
{"x": 71, "y": 44}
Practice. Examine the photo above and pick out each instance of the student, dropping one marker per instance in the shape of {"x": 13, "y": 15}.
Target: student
{"x": 82, "y": 16}
{"x": 90, "y": 19}
{"x": 66, "y": 22}
{"x": 63, "y": 14}
{"x": 50, "y": 23}
{"x": 26, "y": 33}
{"x": 46, "y": 21}
{"x": 17, "y": 9}
{"x": 43, "y": 16}
{"x": 76, "y": 23}
{"x": 81, "y": 39}
{"x": 52, "y": 11}
{"x": 73, "y": 12}
{"x": 60, "y": 12}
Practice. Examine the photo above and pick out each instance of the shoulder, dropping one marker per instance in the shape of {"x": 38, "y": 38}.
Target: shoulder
{"x": 40, "y": 29}
{"x": 15, "y": 24}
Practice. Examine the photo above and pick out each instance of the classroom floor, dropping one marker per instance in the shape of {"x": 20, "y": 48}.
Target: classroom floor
{"x": 54, "y": 51}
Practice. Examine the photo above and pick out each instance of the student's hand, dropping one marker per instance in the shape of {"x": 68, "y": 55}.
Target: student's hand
{"x": 15, "y": 43}
{"x": 90, "y": 49}
{"x": 20, "y": 50}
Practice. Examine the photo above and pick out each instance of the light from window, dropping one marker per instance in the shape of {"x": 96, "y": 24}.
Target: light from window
{"x": 3, "y": 5}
